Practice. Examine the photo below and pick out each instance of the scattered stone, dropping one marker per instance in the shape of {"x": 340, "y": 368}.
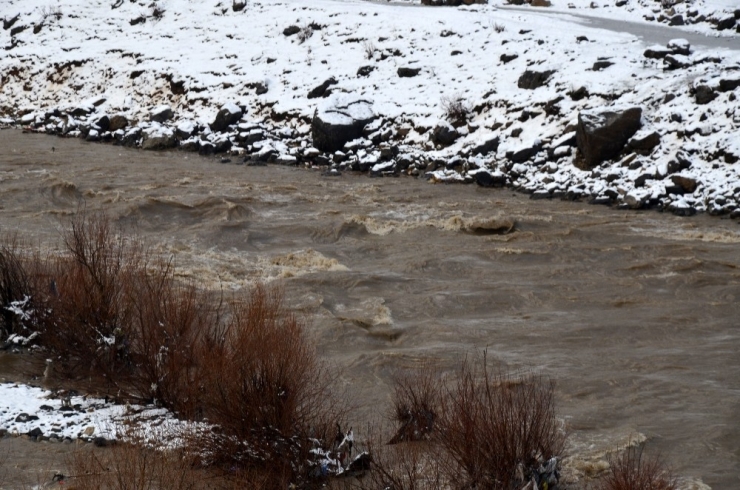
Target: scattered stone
{"x": 578, "y": 94}
{"x": 321, "y": 90}
{"x": 158, "y": 138}
{"x": 675, "y": 62}
{"x": 644, "y": 142}
{"x": 600, "y": 65}
{"x": 484, "y": 178}
{"x": 117, "y": 122}
{"x": 488, "y": 146}
{"x": 24, "y": 417}
{"x": 505, "y": 58}
{"x": 686, "y": 183}
{"x": 36, "y": 433}
{"x": 676, "y": 20}
{"x": 531, "y": 79}
{"x": 524, "y": 152}
{"x": 602, "y": 133}
{"x": 408, "y": 72}
{"x": 365, "y": 71}
{"x": 657, "y": 52}
{"x": 290, "y": 30}
{"x": 727, "y": 85}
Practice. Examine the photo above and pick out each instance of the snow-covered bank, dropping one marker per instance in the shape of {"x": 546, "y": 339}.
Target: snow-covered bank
{"x": 469, "y": 94}
{"x": 46, "y": 415}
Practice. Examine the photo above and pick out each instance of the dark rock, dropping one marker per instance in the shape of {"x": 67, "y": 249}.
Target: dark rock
{"x": 222, "y": 146}
{"x": 8, "y": 23}
{"x": 675, "y": 61}
{"x": 657, "y": 53}
{"x": 100, "y": 442}
{"x": 581, "y": 39}
{"x": 600, "y": 65}
{"x": 488, "y": 146}
{"x": 679, "y": 46}
{"x": 238, "y": 5}
{"x": 644, "y": 143}
{"x": 365, "y": 71}
{"x": 726, "y": 85}
{"x": 456, "y": 52}
{"x": 321, "y": 90}
{"x": 24, "y": 417}
{"x": 642, "y": 179}
{"x": 290, "y": 30}
{"x": 161, "y": 114}
{"x": 531, "y": 79}
{"x": 408, "y": 72}
{"x": 674, "y": 189}
{"x": 206, "y": 148}
{"x": 35, "y": 433}
{"x": 486, "y": 179}
{"x": 158, "y": 138}
{"x": 117, "y": 122}
{"x": 725, "y": 23}
{"x": 444, "y": 134}
{"x": 686, "y": 183}
{"x": 668, "y": 98}
{"x": 228, "y": 115}
{"x": 676, "y": 20}
{"x": 602, "y": 133}
{"x": 525, "y": 152}
{"x": 505, "y": 58}
{"x": 131, "y": 137}
{"x": 46, "y": 407}
{"x": 103, "y": 123}
{"x": 17, "y": 30}
{"x": 704, "y": 94}
{"x": 578, "y": 94}
{"x": 340, "y": 119}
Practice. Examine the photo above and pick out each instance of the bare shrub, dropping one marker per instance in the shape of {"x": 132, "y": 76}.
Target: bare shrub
{"x": 632, "y": 471}
{"x": 499, "y": 430}
{"x": 416, "y": 401}
{"x": 455, "y": 109}
{"x": 406, "y": 466}
{"x": 369, "y": 49}
{"x": 86, "y": 334}
{"x": 305, "y": 33}
{"x": 15, "y": 287}
{"x": 498, "y": 27}
{"x": 266, "y": 391}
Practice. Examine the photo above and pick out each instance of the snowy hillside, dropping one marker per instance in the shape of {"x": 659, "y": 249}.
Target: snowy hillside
{"x": 482, "y": 93}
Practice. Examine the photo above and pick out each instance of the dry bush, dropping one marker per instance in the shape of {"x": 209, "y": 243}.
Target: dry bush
{"x": 305, "y": 33}
{"x": 498, "y": 429}
{"x": 456, "y": 110}
{"x": 265, "y": 389}
{"x": 632, "y": 471}
{"x": 86, "y": 333}
{"x": 416, "y": 401}
{"x": 405, "y": 466}
{"x": 15, "y": 287}
{"x": 369, "y": 48}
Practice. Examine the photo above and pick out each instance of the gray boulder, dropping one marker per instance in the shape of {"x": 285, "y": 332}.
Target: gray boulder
{"x": 228, "y": 115}
{"x": 340, "y": 118}
{"x": 157, "y": 137}
{"x": 444, "y": 134}
{"x": 704, "y": 94}
{"x": 602, "y": 133}
{"x": 644, "y": 142}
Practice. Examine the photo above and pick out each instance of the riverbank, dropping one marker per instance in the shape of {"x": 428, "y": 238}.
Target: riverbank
{"x": 475, "y": 94}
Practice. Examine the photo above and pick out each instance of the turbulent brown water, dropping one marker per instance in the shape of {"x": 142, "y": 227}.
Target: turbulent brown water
{"x": 634, "y": 314}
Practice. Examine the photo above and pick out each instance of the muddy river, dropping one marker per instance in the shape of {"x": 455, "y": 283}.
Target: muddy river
{"x": 634, "y": 314}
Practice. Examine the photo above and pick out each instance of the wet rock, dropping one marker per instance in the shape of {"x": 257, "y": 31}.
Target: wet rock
{"x": 228, "y": 114}
{"x": 486, "y": 178}
{"x": 161, "y": 114}
{"x": 704, "y": 94}
{"x": 340, "y": 119}
{"x": 602, "y": 133}
{"x": 444, "y": 134}
{"x": 321, "y": 90}
{"x": 407, "y": 72}
{"x": 531, "y": 79}
{"x": 158, "y": 138}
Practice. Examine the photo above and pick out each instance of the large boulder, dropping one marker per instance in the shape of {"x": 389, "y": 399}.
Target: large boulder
{"x": 158, "y": 137}
{"x": 602, "y": 133}
{"x": 444, "y": 133}
{"x": 339, "y": 119}
{"x": 228, "y": 115}
{"x": 161, "y": 113}
{"x": 532, "y": 79}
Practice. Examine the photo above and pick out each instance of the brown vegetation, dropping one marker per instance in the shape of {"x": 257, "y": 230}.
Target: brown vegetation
{"x": 633, "y": 471}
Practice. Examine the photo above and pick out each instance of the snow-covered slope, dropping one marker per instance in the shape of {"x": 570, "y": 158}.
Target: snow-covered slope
{"x": 90, "y": 58}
